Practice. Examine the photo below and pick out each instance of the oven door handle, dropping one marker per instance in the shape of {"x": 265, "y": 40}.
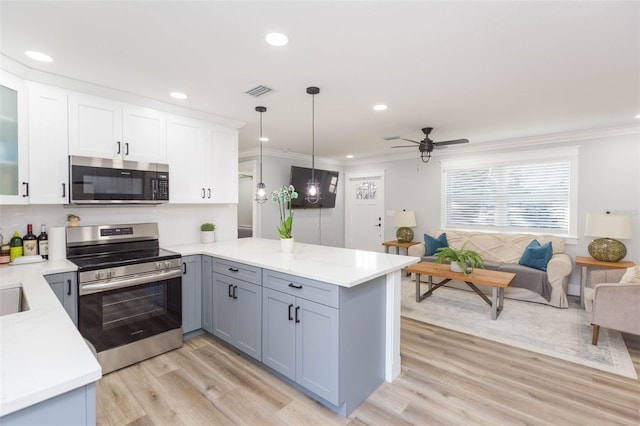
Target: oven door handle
{"x": 129, "y": 282}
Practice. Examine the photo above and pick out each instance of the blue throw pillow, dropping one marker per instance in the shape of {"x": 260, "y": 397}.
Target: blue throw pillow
{"x": 433, "y": 244}
{"x": 537, "y": 256}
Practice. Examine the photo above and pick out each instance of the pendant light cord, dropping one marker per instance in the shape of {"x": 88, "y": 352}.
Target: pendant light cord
{"x": 313, "y": 136}
{"x": 260, "y": 146}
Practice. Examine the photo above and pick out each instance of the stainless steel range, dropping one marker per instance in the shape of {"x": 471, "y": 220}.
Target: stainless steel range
{"x": 129, "y": 292}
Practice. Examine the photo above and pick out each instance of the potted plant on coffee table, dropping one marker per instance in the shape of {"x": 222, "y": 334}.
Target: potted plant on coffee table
{"x": 460, "y": 260}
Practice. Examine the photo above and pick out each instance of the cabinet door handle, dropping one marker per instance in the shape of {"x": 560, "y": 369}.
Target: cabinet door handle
{"x": 233, "y": 269}
{"x": 68, "y": 287}
{"x": 203, "y": 193}
{"x": 297, "y": 311}
{"x": 126, "y": 147}
{"x": 184, "y": 268}
{"x": 292, "y": 285}
{"x": 26, "y": 184}
{"x": 64, "y": 190}
{"x": 229, "y": 291}
{"x": 119, "y": 147}
{"x": 209, "y": 192}
{"x": 235, "y": 287}
{"x": 290, "y": 315}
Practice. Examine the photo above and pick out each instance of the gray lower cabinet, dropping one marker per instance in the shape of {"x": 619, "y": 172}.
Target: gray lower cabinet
{"x": 65, "y": 288}
{"x": 328, "y": 340}
{"x": 237, "y": 306}
{"x": 191, "y": 293}
{"x": 301, "y": 342}
{"x": 207, "y": 293}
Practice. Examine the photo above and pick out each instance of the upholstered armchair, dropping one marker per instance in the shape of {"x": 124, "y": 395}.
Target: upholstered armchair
{"x": 612, "y": 304}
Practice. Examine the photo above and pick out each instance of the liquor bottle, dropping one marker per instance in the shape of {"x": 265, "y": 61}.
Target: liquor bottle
{"x": 30, "y": 242}
{"x": 15, "y": 249}
{"x": 43, "y": 242}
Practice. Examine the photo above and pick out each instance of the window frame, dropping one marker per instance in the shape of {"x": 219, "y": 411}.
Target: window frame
{"x": 570, "y": 154}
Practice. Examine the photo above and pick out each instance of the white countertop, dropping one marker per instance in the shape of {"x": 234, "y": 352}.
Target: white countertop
{"x": 343, "y": 267}
{"x": 42, "y": 354}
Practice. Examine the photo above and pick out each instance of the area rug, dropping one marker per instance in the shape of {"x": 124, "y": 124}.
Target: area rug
{"x": 560, "y": 333}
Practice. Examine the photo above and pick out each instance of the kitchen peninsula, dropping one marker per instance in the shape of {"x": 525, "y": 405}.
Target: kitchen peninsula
{"x": 356, "y": 292}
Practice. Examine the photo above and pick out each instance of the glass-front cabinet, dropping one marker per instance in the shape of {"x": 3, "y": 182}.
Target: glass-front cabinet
{"x": 14, "y": 185}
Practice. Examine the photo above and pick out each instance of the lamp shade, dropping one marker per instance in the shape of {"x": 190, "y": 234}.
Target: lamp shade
{"x": 608, "y": 225}
{"x": 404, "y": 219}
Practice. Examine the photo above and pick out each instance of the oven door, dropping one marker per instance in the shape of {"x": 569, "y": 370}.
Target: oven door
{"x": 120, "y": 316}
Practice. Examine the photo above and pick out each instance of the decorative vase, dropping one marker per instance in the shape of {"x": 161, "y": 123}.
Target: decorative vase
{"x": 455, "y": 267}
{"x": 287, "y": 245}
{"x": 207, "y": 237}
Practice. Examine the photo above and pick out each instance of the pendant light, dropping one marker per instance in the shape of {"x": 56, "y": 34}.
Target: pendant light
{"x": 312, "y": 194}
{"x": 261, "y": 188}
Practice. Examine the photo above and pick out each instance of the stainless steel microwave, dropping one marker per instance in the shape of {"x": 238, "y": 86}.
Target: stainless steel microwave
{"x": 105, "y": 181}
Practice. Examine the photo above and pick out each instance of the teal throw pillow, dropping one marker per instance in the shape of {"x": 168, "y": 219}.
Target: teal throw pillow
{"x": 433, "y": 244}
{"x": 537, "y": 256}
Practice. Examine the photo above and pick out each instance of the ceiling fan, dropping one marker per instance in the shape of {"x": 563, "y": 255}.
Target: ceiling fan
{"x": 426, "y": 146}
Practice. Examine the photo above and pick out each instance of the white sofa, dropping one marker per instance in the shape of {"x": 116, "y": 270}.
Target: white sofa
{"x": 497, "y": 249}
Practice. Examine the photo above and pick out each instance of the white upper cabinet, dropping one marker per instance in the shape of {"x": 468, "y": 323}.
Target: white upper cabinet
{"x": 203, "y": 162}
{"x": 105, "y": 128}
{"x": 14, "y": 152}
{"x": 185, "y": 138}
{"x": 223, "y": 165}
{"x": 144, "y": 134}
{"x": 48, "y": 145}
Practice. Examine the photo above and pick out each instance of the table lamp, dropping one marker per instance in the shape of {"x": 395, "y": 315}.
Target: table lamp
{"x": 607, "y": 227}
{"x": 404, "y": 220}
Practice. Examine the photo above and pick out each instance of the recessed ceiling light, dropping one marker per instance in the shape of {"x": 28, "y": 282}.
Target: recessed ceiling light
{"x": 263, "y": 139}
{"x": 349, "y": 156}
{"x": 285, "y": 149}
{"x": 380, "y": 107}
{"x": 276, "y": 39}
{"x": 638, "y": 116}
{"x": 38, "y": 56}
{"x": 178, "y": 95}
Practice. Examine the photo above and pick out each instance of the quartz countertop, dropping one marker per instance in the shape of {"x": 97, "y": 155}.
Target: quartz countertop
{"x": 340, "y": 266}
{"x": 42, "y": 354}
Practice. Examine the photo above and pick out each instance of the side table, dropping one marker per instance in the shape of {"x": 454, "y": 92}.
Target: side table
{"x": 589, "y": 262}
{"x": 398, "y": 245}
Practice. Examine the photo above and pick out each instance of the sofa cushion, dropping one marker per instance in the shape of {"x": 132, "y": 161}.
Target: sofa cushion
{"x": 537, "y": 256}
{"x": 433, "y": 244}
{"x": 632, "y": 276}
{"x": 495, "y": 246}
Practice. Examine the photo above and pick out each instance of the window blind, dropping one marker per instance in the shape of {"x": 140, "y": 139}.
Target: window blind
{"x": 531, "y": 196}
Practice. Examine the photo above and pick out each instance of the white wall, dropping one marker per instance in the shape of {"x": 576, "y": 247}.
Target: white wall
{"x": 609, "y": 179}
{"x": 177, "y": 224}
{"x": 313, "y": 226}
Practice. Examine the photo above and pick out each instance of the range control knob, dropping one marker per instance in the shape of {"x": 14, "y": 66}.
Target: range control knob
{"x": 167, "y": 264}
{"x": 97, "y": 275}
{"x": 159, "y": 265}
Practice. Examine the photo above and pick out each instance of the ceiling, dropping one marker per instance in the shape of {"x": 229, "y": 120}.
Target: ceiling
{"x": 480, "y": 70}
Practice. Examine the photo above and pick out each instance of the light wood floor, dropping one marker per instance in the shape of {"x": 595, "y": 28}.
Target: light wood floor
{"x": 448, "y": 378}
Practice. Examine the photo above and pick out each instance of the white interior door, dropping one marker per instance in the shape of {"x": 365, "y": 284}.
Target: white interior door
{"x": 364, "y": 209}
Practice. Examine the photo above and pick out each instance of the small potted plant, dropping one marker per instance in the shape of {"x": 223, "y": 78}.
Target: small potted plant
{"x": 460, "y": 260}
{"x": 284, "y": 197}
{"x": 207, "y": 232}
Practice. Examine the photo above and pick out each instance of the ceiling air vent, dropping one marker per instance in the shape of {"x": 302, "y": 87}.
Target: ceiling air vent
{"x": 258, "y": 91}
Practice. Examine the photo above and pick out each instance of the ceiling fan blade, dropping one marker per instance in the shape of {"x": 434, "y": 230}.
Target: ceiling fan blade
{"x": 410, "y": 140}
{"x": 452, "y": 142}
{"x": 391, "y": 138}
{"x": 440, "y": 147}
{"x": 403, "y": 146}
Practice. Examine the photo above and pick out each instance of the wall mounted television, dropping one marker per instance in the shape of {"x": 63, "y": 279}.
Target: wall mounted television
{"x": 328, "y": 181}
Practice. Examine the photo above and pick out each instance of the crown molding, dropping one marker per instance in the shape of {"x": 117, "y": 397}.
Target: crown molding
{"x": 287, "y": 154}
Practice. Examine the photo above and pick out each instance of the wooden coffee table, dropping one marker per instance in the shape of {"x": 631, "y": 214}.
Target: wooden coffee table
{"x": 498, "y": 280}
